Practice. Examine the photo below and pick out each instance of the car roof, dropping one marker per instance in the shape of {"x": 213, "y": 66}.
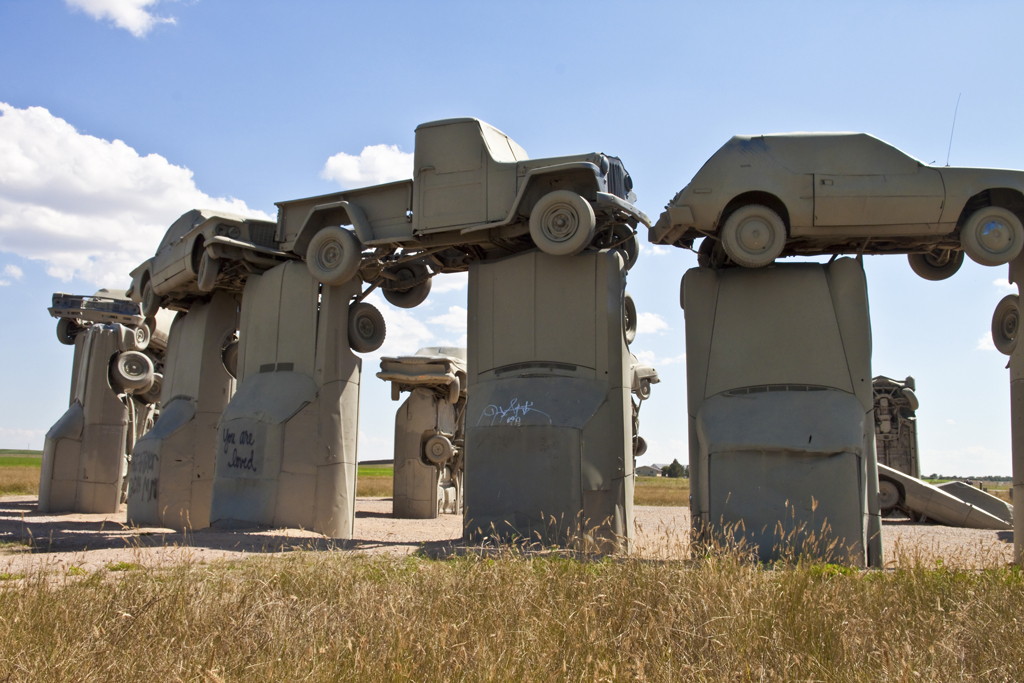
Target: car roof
{"x": 828, "y": 153}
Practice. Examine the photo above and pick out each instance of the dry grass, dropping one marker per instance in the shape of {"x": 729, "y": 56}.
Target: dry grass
{"x": 661, "y": 491}
{"x": 19, "y": 480}
{"x": 325, "y": 617}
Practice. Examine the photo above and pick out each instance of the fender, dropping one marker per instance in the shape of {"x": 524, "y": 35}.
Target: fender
{"x": 333, "y": 213}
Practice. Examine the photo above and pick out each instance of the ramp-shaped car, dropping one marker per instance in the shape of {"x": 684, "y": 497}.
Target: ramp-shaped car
{"x": 475, "y": 194}
{"x": 765, "y": 196}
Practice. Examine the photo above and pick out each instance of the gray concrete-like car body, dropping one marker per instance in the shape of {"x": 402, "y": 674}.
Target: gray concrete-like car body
{"x": 549, "y": 453}
{"x": 475, "y": 193}
{"x": 286, "y": 442}
{"x": 429, "y": 430}
{"x": 171, "y": 471}
{"x": 778, "y": 365}
{"x": 203, "y": 250}
{"x": 764, "y": 196}
{"x": 941, "y": 505}
{"x": 115, "y": 388}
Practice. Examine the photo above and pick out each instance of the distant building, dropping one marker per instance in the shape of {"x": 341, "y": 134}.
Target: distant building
{"x": 648, "y": 471}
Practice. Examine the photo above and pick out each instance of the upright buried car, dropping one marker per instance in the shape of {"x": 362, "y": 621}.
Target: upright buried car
{"x": 761, "y": 197}
{"x": 475, "y": 194}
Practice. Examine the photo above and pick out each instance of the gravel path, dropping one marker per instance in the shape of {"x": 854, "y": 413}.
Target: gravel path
{"x": 30, "y": 540}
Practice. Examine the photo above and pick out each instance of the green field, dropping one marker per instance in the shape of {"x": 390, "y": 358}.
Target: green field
{"x": 661, "y": 491}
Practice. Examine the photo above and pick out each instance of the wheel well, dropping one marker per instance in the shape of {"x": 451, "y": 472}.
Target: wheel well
{"x": 1004, "y": 197}
{"x": 198, "y": 247}
{"x": 756, "y": 197}
{"x": 580, "y": 181}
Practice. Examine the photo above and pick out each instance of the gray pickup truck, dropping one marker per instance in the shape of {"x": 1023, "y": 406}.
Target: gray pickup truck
{"x": 475, "y": 195}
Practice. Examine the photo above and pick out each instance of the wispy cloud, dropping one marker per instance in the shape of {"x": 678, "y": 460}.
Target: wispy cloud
{"x": 650, "y": 323}
{"x": 132, "y": 15}
{"x": 985, "y": 343}
{"x": 13, "y": 272}
{"x": 1004, "y": 286}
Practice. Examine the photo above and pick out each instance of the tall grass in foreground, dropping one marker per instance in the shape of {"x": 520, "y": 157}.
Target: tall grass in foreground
{"x": 326, "y": 617}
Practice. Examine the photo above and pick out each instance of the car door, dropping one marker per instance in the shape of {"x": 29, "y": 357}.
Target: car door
{"x": 874, "y": 184}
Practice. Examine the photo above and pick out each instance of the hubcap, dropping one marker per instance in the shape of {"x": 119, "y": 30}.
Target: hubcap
{"x": 755, "y": 235}
{"x": 329, "y": 254}
{"x": 888, "y": 495}
{"x": 437, "y": 448}
{"x": 133, "y": 368}
{"x": 365, "y": 327}
{"x": 994, "y": 234}
{"x": 560, "y": 222}
{"x": 1009, "y": 326}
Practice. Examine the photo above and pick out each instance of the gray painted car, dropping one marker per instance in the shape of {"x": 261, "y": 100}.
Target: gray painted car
{"x": 765, "y": 196}
{"x": 475, "y": 194}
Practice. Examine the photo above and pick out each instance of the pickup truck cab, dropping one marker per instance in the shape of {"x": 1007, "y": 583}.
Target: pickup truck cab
{"x": 475, "y": 195}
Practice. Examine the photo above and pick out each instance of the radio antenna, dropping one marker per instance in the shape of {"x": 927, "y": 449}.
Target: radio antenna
{"x": 952, "y": 129}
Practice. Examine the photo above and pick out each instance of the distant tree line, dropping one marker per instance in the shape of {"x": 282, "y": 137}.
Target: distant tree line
{"x": 675, "y": 470}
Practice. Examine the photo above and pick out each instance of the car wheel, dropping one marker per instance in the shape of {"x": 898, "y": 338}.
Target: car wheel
{"x": 937, "y": 265}
{"x": 333, "y": 255}
{"x": 753, "y": 236}
{"x": 562, "y": 223}
{"x": 992, "y": 236}
{"x": 142, "y": 337}
{"x": 366, "y": 328}
{"x": 455, "y": 390}
{"x": 209, "y": 269}
{"x": 150, "y": 301}
{"x": 629, "y": 318}
{"x": 413, "y": 296}
{"x": 644, "y": 390}
{"x": 152, "y": 395}
{"x": 639, "y": 446}
{"x": 710, "y": 254}
{"x": 229, "y": 357}
{"x": 439, "y": 449}
{"x": 132, "y": 371}
{"x": 888, "y": 495}
{"x": 1006, "y": 323}
{"x": 67, "y": 329}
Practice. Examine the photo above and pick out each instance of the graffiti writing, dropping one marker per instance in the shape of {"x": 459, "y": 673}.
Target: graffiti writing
{"x": 512, "y": 414}
{"x": 243, "y": 441}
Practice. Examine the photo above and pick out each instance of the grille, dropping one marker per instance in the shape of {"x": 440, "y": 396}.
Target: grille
{"x": 263, "y": 235}
{"x": 619, "y": 183}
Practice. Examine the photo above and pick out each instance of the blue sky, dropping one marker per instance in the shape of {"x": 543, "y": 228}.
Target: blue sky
{"x": 225, "y": 103}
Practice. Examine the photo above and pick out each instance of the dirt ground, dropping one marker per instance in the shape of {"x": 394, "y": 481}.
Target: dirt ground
{"x": 30, "y": 540}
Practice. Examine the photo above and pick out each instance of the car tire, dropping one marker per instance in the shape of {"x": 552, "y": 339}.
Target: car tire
{"x": 630, "y": 246}
{"x": 229, "y": 357}
{"x": 150, "y": 301}
{"x": 455, "y": 390}
{"x": 888, "y": 495}
{"x": 142, "y": 337}
{"x": 629, "y": 318}
{"x": 413, "y": 296}
{"x": 639, "y": 446}
{"x": 334, "y": 255}
{"x": 643, "y": 391}
{"x": 753, "y": 236}
{"x": 710, "y": 254}
{"x": 937, "y": 266}
{"x": 562, "y": 223}
{"x": 992, "y": 236}
{"x": 67, "y": 329}
{"x": 132, "y": 371}
{"x": 152, "y": 395}
{"x": 366, "y": 328}
{"x": 1006, "y": 324}
{"x": 438, "y": 449}
{"x": 209, "y": 269}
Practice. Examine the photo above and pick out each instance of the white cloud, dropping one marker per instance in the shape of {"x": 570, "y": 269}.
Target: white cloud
{"x": 650, "y": 323}
{"x": 453, "y": 282}
{"x": 373, "y": 447}
{"x": 1003, "y": 285}
{"x": 454, "y": 319}
{"x": 985, "y": 343}
{"x": 13, "y": 272}
{"x": 132, "y": 15}
{"x": 650, "y": 358}
{"x": 376, "y": 164}
{"x": 653, "y": 249}
{"x": 87, "y": 207}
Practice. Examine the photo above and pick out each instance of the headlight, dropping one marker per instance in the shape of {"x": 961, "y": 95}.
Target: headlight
{"x": 605, "y": 165}
{"x": 221, "y": 229}
{"x": 234, "y": 233}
